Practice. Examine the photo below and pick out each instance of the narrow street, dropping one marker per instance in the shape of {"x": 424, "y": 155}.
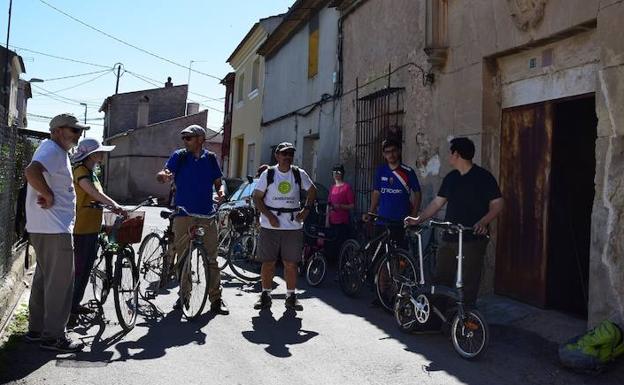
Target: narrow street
{"x": 335, "y": 340}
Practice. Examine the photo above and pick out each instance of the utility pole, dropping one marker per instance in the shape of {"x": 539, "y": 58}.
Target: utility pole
{"x": 118, "y": 76}
{"x": 6, "y": 87}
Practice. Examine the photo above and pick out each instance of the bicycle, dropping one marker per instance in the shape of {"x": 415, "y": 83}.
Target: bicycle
{"x": 191, "y": 269}
{"x": 469, "y": 330}
{"x": 151, "y": 257}
{"x": 313, "y": 262}
{"x": 244, "y": 232}
{"x": 115, "y": 267}
{"x": 358, "y": 264}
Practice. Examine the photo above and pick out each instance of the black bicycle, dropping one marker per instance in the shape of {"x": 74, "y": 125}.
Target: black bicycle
{"x": 469, "y": 330}
{"x": 380, "y": 260}
{"x": 115, "y": 267}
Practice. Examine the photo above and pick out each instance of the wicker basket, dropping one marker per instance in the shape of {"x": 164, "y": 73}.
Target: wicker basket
{"x": 131, "y": 229}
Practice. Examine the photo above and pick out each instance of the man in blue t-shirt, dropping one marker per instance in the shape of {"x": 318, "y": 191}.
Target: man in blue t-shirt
{"x": 396, "y": 191}
{"x": 195, "y": 172}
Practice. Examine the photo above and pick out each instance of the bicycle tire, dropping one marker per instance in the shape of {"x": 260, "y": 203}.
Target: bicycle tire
{"x": 126, "y": 289}
{"x": 98, "y": 279}
{"x": 151, "y": 262}
{"x": 199, "y": 280}
{"x": 224, "y": 239}
{"x": 241, "y": 258}
{"x": 316, "y": 268}
{"x": 473, "y": 323}
{"x": 351, "y": 268}
{"x": 385, "y": 285}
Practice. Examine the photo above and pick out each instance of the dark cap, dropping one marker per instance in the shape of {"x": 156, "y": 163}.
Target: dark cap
{"x": 193, "y": 130}
{"x": 66, "y": 120}
{"x": 284, "y": 146}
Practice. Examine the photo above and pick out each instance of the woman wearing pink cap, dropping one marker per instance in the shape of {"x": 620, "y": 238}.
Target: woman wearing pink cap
{"x": 88, "y": 155}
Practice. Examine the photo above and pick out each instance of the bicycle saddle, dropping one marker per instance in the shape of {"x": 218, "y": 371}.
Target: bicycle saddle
{"x": 165, "y": 214}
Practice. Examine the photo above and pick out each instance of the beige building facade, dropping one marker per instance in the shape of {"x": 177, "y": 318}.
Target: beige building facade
{"x": 538, "y": 87}
{"x": 246, "y": 135}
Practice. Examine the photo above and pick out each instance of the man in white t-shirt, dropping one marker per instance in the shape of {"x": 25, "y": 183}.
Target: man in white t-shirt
{"x": 277, "y": 197}
{"x": 50, "y": 215}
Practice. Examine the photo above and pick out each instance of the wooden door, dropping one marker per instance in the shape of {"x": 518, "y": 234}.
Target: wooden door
{"x": 522, "y": 245}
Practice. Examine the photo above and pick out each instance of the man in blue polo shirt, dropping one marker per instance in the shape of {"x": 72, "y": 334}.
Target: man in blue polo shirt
{"x": 396, "y": 191}
{"x": 195, "y": 171}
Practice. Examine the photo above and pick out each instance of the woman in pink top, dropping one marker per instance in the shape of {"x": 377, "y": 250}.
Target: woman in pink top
{"x": 340, "y": 203}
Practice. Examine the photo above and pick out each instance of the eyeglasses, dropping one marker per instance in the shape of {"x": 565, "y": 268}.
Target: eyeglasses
{"x": 392, "y": 151}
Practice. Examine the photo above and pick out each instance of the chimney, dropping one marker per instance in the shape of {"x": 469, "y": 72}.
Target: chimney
{"x": 168, "y": 84}
{"x": 192, "y": 108}
{"x": 143, "y": 112}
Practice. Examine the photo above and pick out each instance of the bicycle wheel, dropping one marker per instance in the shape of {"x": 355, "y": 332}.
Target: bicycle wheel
{"x": 470, "y": 334}
{"x": 242, "y": 258}
{"x": 194, "y": 282}
{"x": 316, "y": 269}
{"x": 394, "y": 266}
{"x": 98, "y": 279}
{"x": 351, "y": 267}
{"x": 126, "y": 289}
{"x": 151, "y": 261}
{"x": 224, "y": 240}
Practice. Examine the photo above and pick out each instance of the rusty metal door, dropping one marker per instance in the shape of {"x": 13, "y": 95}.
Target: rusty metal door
{"x": 522, "y": 245}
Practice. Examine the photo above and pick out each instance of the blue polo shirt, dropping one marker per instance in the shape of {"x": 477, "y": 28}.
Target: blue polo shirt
{"x": 395, "y": 187}
{"x": 194, "y": 180}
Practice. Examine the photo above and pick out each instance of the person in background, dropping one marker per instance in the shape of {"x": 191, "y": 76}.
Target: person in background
{"x": 89, "y": 154}
{"x": 340, "y": 202}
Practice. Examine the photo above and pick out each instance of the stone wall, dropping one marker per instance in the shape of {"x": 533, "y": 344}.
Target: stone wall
{"x": 606, "y": 285}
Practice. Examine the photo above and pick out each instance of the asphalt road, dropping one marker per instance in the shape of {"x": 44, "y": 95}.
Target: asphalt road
{"x": 335, "y": 340}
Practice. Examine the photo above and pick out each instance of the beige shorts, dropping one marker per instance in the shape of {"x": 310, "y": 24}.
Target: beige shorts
{"x": 287, "y": 244}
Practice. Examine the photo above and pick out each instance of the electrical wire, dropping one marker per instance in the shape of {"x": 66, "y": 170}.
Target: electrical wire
{"x": 76, "y": 76}
{"x": 79, "y": 84}
{"x": 126, "y": 43}
{"x": 57, "y": 57}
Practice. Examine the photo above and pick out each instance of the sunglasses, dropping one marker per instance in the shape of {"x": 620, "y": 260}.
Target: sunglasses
{"x": 187, "y": 138}
{"x": 288, "y": 153}
{"x": 75, "y": 130}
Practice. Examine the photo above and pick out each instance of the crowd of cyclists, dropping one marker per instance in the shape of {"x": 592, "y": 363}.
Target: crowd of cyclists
{"x": 63, "y": 224}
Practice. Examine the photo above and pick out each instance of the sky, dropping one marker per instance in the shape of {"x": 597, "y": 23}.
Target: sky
{"x": 203, "y": 31}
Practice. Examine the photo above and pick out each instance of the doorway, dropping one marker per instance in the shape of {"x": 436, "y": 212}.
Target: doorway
{"x": 547, "y": 175}
{"x": 571, "y": 200}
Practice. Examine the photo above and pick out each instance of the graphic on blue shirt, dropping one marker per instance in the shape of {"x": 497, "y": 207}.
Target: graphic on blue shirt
{"x": 395, "y": 187}
{"x": 194, "y": 180}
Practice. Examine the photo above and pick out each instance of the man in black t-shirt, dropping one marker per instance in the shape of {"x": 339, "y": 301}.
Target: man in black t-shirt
{"x": 473, "y": 199}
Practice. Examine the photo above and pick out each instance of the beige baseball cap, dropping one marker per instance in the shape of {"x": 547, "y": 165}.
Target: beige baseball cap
{"x": 66, "y": 120}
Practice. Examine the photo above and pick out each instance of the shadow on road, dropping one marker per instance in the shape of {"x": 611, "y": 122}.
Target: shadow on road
{"x": 279, "y": 334}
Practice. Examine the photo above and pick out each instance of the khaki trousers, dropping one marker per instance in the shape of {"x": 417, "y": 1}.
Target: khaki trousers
{"x": 53, "y": 285}
{"x": 181, "y": 244}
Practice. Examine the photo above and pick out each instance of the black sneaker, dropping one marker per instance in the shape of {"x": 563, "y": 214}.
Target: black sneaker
{"x": 219, "y": 307}
{"x": 264, "y": 302}
{"x": 62, "y": 345}
{"x": 32, "y": 336}
{"x": 293, "y": 303}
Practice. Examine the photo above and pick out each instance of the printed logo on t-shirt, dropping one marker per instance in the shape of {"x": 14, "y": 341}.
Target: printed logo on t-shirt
{"x": 284, "y": 187}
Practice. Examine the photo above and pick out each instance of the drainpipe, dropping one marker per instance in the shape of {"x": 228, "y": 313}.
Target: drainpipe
{"x": 345, "y": 14}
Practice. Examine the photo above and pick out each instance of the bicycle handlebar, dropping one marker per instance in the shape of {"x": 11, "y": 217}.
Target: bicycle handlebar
{"x": 151, "y": 201}
{"x": 182, "y": 209}
{"x": 387, "y": 221}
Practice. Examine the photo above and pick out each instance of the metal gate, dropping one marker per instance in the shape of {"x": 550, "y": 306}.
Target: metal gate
{"x": 379, "y": 116}
{"x": 16, "y": 149}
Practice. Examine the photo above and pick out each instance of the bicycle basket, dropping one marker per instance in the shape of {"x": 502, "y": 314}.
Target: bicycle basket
{"x": 130, "y": 230}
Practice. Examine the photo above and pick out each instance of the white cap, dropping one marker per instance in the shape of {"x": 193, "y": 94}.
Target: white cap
{"x": 87, "y": 147}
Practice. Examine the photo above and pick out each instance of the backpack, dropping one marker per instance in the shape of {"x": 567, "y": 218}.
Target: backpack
{"x": 271, "y": 179}
{"x": 592, "y": 351}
